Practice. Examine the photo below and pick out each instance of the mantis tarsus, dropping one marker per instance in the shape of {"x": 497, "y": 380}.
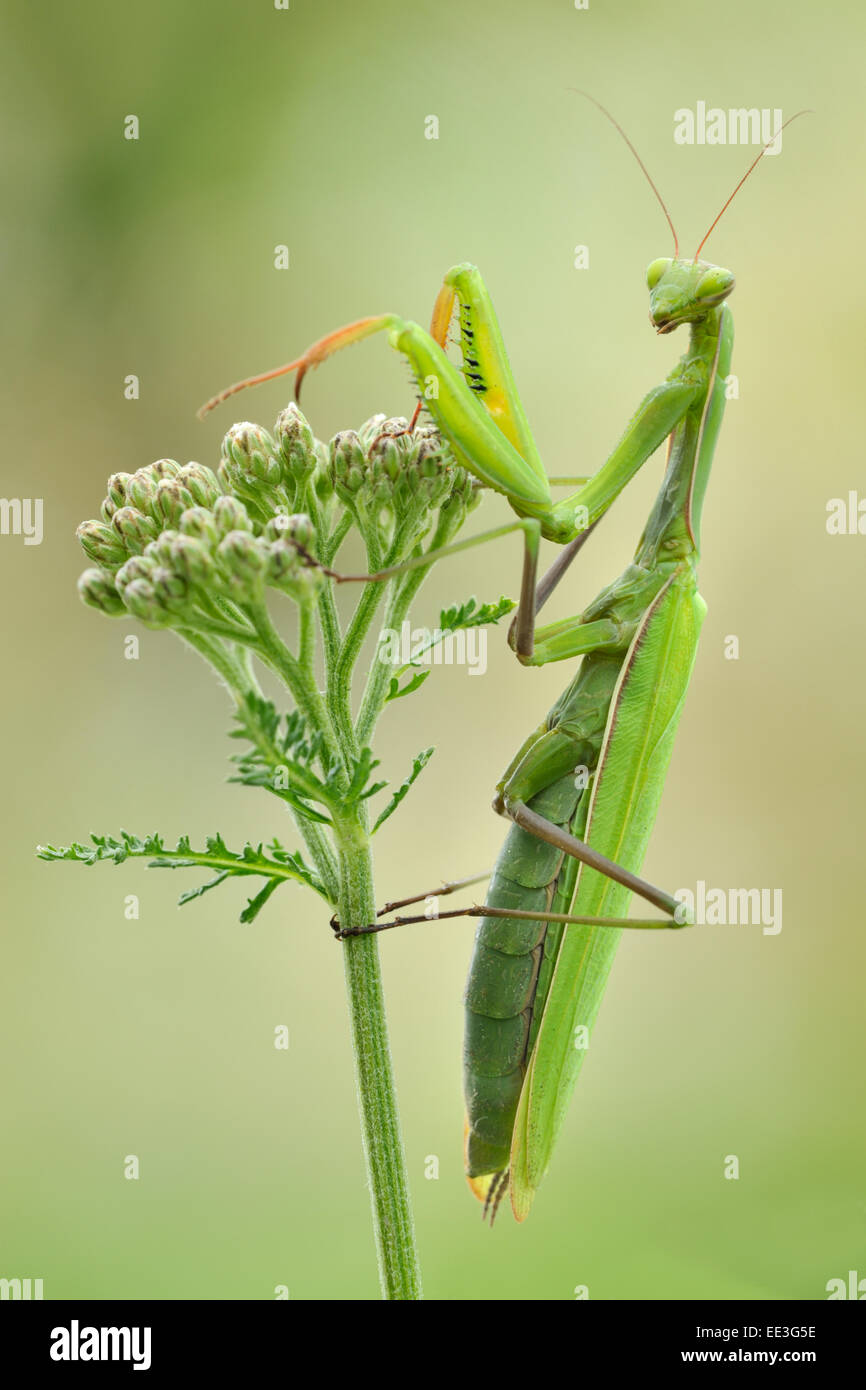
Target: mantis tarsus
{"x": 584, "y": 789}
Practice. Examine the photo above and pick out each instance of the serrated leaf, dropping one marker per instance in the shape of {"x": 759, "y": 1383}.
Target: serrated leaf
{"x": 396, "y": 691}
{"x": 418, "y": 767}
{"x": 281, "y": 745}
{"x": 454, "y": 619}
{"x": 255, "y": 905}
{"x": 372, "y": 790}
{"x": 285, "y": 794}
{"x": 105, "y": 847}
{"x": 281, "y": 867}
{"x": 473, "y": 614}
{"x": 360, "y": 772}
{"x": 191, "y": 893}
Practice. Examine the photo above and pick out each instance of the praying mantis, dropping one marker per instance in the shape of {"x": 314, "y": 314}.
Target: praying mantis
{"x": 583, "y": 791}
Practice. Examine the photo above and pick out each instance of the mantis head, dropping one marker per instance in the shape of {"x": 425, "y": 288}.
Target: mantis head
{"x": 682, "y": 291}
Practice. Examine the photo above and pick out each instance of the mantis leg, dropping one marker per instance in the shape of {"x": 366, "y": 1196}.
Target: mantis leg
{"x": 523, "y": 634}
{"x": 466, "y": 403}
{"x": 443, "y": 890}
{"x": 550, "y": 758}
{"x": 561, "y": 918}
{"x": 446, "y": 888}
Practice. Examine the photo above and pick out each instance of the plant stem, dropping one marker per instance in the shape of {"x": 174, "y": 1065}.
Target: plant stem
{"x": 399, "y": 1272}
{"x": 399, "y": 600}
{"x": 299, "y": 679}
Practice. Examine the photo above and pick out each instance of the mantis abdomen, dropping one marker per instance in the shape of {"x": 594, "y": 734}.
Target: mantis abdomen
{"x": 511, "y": 964}
{"x": 535, "y": 989}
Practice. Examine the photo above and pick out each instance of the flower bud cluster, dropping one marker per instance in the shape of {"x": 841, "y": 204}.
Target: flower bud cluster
{"x": 173, "y": 537}
{"x": 393, "y": 477}
{"x": 271, "y": 472}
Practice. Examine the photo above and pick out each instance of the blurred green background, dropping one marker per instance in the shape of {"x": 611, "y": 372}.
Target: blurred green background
{"x": 155, "y": 257}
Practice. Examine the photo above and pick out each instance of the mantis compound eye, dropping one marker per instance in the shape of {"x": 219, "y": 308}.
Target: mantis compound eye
{"x": 656, "y": 270}
{"x": 714, "y": 285}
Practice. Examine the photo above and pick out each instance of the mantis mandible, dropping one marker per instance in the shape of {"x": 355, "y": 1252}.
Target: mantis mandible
{"x": 583, "y": 791}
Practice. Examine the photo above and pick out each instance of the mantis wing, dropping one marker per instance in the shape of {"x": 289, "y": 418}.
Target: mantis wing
{"x": 638, "y": 740}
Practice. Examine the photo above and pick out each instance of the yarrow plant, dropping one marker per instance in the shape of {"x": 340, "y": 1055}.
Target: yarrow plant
{"x": 200, "y": 552}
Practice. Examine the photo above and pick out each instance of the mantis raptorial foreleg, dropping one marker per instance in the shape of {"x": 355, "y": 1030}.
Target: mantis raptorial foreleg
{"x": 479, "y": 412}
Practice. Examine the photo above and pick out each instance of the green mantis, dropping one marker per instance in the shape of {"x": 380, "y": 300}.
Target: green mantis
{"x": 583, "y": 791}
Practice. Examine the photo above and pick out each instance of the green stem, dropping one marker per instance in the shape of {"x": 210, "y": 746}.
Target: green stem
{"x": 399, "y": 1272}
{"x": 307, "y": 634}
{"x": 333, "y": 542}
{"x": 222, "y": 659}
{"x": 329, "y": 624}
{"x": 240, "y": 682}
{"x": 340, "y": 689}
{"x": 300, "y": 679}
{"x": 339, "y": 692}
{"x": 400, "y": 599}
{"x": 380, "y": 673}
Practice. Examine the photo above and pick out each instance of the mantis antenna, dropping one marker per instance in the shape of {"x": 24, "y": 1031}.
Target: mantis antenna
{"x": 646, "y": 173}
{"x": 805, "y": 112}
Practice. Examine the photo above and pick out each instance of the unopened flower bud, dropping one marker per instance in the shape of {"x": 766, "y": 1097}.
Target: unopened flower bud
{"x": 296, "y": 443}
{"x": 171, "y": 501}
{"x": 298, "y": 528}
{"x": 301, "y": 530}
{"x": 252, "y": 451}
{"x": 230, "y": 514}
{"x": 98, "y": 590}
{"x": 159, "y": 550}
{"x": 163, "y": 468}
{"x": 134, "y": 529}
{"x": 101, "y": 543}
{"x": 141, "y": 599}
{"x": 141, "y": 490}
{"x": 226, "y": 472}
{"x": 242, "y": 559}
{"x": 284, "y": 564}
{"x": 138, "y": 567}
{"x": 371, "y": 429}
{"x": 431, "y": 456}
{"x": 201, "y": 482}
{"x": 322, "y": 480}
{"x": 116, "y": 495}
{"x": 348, "y": 466}
{"x": 276, "y": 527}
{"x": 386, "y": 457}
{"x": 191, "y": 559}
{"x": 429, "y": 471}
{"x": 465, "y": 493}
{"x": 170, "y": 588}
{"x": 199, "y": 523}
{"x": 286, "y": 570}
{"x": 396, "y": 427}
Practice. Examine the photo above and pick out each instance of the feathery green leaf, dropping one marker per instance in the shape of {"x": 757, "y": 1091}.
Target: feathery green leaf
{"x": 280, "y": 867}
{"x": 418, "y": 766}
